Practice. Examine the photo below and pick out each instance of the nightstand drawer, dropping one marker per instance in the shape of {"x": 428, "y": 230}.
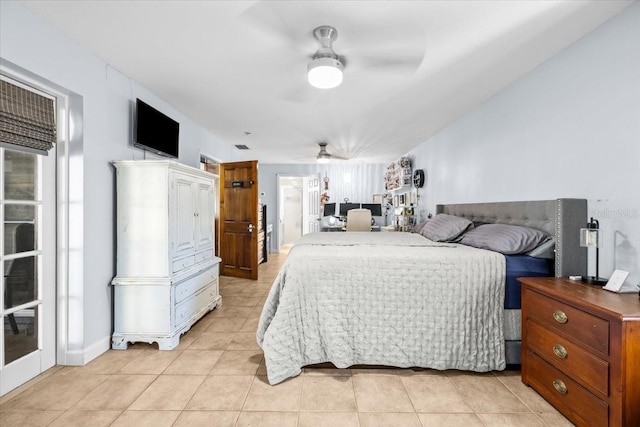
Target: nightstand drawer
{"x": 584, "y": 367}
{"x": 565, "y": 393}
{"x": 591, "y": 330}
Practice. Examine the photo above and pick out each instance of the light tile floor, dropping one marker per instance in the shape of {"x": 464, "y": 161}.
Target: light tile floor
{"x": 216, "y": 377}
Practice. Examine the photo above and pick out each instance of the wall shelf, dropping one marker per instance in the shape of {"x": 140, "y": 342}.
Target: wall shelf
{"x": 398, "y": 175}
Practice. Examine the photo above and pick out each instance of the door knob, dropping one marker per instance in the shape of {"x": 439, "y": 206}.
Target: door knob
{"x": 250, "y": 228}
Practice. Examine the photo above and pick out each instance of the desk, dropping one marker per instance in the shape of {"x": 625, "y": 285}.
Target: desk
{"x": 341, "y": 225}
{"x": 344, "y": 228}
{"x": 333, "y": 228}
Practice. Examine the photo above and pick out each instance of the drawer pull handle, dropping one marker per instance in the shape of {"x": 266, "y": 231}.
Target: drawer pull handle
{"x": 560, "y": 316}
{"x": 559, "y": 386}
{"x": 560, "y": 351}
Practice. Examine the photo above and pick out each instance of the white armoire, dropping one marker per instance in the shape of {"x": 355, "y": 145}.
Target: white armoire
{"x": 167, "y": 273}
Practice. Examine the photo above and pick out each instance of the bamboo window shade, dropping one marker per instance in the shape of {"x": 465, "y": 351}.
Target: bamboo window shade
{"x": 27, "y": 119}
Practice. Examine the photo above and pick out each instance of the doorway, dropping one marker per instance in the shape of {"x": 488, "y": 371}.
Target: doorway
{"x": 291, "y": 211}
{"x": 212, "y": 165}
{"x": 298, "y": 208}
{"x": 28, "y": 291}
{"x": 27, "y": 260}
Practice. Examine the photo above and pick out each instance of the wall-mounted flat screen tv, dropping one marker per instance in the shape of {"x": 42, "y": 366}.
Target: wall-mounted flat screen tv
{"x": 155, "y": 131}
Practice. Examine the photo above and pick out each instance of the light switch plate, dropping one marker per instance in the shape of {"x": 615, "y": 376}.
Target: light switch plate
{"x": 616, "y": 281}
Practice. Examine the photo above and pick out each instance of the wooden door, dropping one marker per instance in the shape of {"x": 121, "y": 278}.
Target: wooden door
{"x": 239, "y": 219}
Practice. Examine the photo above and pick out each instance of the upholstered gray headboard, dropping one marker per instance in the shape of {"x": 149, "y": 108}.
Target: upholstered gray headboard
{"x": 561, "y": 218}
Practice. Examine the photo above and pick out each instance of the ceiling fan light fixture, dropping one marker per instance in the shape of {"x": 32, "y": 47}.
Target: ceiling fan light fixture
{"x": 325, "y": 73}
{"x": 323, "y": 156}
{"x": 323, "y": 159}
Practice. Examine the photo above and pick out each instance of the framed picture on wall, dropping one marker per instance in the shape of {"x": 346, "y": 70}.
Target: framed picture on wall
{"x": 377, "y": 198}
{"x": 396, "y": 201}
{"x": 413, "y": 198}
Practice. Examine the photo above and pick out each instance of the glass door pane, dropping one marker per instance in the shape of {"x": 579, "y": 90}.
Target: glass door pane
{"x": 21, "y": 254}
{"x": 20, "y": 175}
{"x": 20, "y": 334}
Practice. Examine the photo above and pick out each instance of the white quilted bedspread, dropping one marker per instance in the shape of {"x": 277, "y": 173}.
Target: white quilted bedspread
{"x": 393, "y": 299}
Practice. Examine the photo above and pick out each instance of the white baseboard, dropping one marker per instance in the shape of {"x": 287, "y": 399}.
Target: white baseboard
{"x": 86, "y": 355}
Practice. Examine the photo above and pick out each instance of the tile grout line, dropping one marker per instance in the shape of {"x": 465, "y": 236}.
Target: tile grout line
{"x": 355, "y": 398}
{"x": 464, "y": 397}
{"x": 299, "y": 397}
{"x": 406, "y": 390}
{"x": 524, "y": 403}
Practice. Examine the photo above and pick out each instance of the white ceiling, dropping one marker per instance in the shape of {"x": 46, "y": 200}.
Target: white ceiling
{"x": 412, "y": 67}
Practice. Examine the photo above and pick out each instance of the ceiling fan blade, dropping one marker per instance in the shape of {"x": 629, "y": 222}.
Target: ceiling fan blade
{"x": 381, "y": 64}
{"x": 380, "y": 47}
{"x": 282, "y": 23}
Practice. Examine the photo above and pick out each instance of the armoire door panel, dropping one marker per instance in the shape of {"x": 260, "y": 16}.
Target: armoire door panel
{"x": 184, "y": 221}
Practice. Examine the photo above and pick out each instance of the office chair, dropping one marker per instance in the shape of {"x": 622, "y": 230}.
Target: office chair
{"x": 359, "y": 220}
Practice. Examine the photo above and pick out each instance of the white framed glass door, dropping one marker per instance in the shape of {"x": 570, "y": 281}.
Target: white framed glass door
{"x": 28, "y": 264}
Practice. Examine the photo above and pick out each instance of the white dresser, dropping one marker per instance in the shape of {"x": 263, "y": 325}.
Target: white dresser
{"x": 167, "y": 274}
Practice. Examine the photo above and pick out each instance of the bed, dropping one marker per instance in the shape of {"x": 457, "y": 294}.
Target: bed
{"x": 399, "y": 299}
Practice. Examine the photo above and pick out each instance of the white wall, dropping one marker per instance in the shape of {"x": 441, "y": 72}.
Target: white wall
{"x": 356, "y": 181}
{"x": 570, "y": 128}
{"x": 107, "y": 95}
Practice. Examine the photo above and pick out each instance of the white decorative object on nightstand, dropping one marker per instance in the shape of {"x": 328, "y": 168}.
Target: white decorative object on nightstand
{"x": 616, "y": 282}
{"x": 167, "y": 274}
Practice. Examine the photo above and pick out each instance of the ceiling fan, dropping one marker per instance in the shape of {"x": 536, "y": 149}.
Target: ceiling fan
{"x": 324, "y": 156}
{"x": 325, "y": 69}
{"x": 371, "y": 48}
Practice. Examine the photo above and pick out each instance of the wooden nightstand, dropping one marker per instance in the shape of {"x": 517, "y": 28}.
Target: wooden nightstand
{"x": 581, "y": 350}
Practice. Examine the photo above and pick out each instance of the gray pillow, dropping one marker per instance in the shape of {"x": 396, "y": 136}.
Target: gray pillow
{"x": 445, "y": 228}
{"x": 546, "y": 250}
{"x": 418, "y": 227}
{"x": 504, "y": 238}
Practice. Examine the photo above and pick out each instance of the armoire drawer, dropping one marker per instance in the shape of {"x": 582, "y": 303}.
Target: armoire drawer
{"x": 186, "y": 309}
{"x": 204, "y": 255}
{"x": 190, "y": 286}
{"x": 589, "y": 370}
{"x": 183, "y": 263}
{"x": 593, "y": 331}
